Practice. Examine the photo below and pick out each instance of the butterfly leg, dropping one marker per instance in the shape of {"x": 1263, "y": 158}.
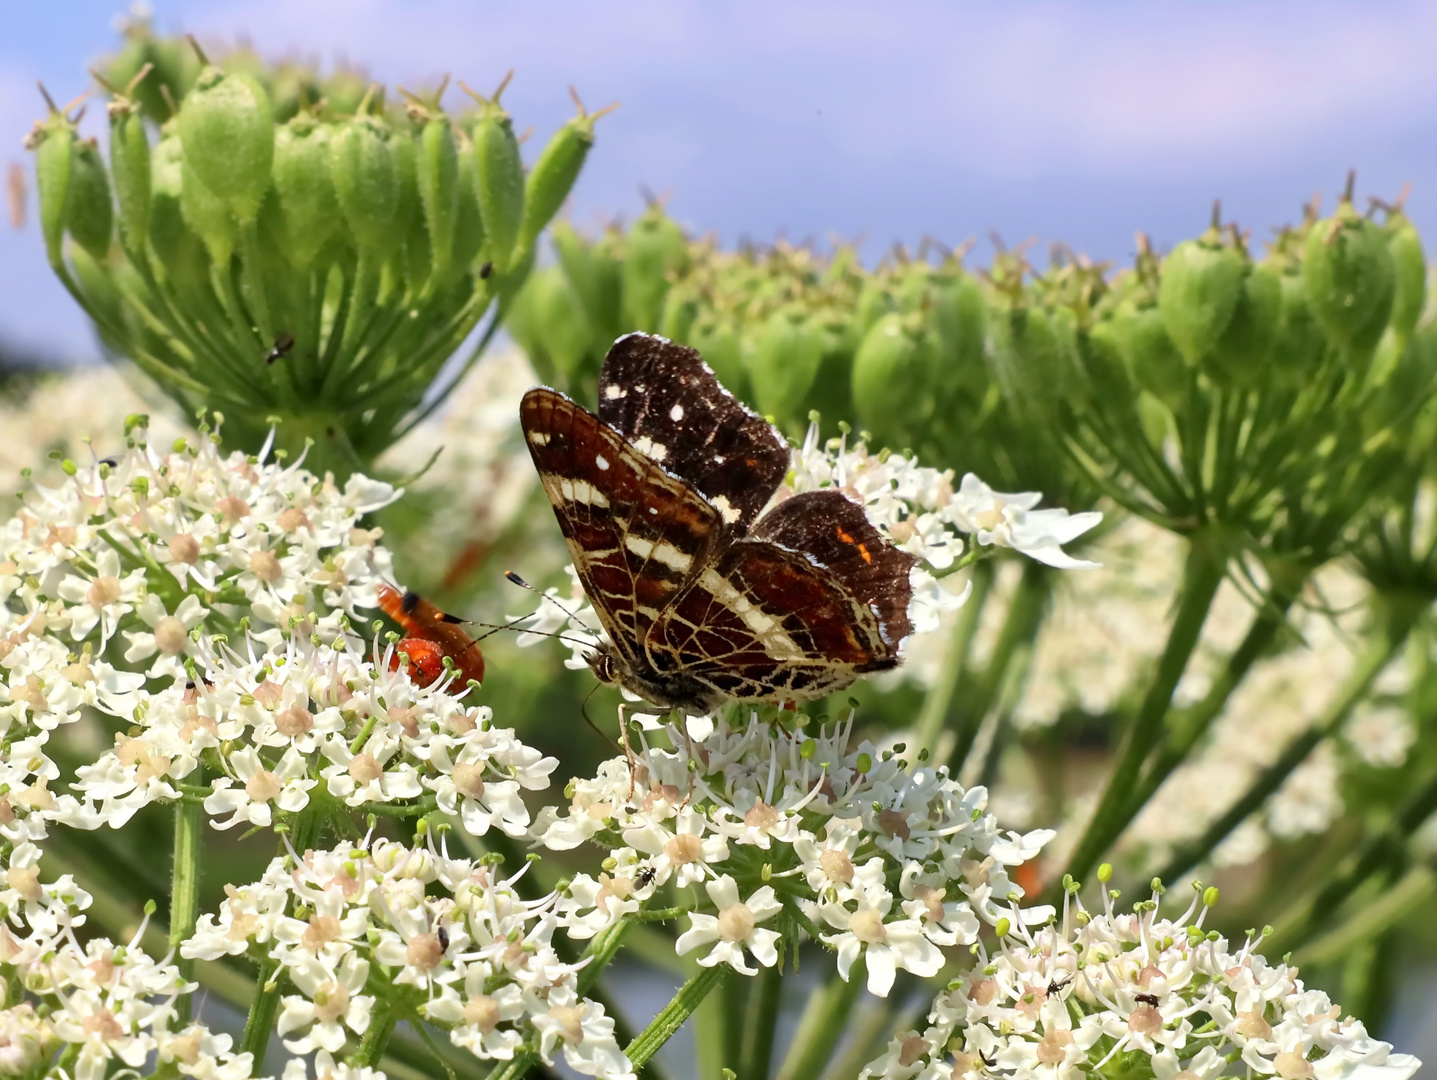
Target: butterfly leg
{"x": 628, "y": 752}
{"x": 689, "y": 760}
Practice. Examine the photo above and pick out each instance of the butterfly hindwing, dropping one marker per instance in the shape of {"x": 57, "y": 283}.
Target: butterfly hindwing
{"x": 670, "y": 405}
{"x": 636, "y": 534}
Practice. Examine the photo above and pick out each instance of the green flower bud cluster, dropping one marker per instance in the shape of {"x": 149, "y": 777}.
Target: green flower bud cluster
{"x": 320, "y": 264}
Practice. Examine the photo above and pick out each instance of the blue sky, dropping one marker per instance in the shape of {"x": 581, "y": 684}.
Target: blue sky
{"x": 1070, "y": 121}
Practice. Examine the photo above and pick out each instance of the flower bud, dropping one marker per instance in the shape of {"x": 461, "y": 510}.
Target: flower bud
{"x": 309, "y": 207}
{"x": 207, "y": 215}
{"x": 366, "y": 181}
{"x": 716, "y": 338}
{"x": 656, "y": 248}
{"x": 1202, "y": 281}
{"x": 54, "y": 144}
{"x": 891, "y": 372}
{"x": 89, "y": 211}
{"x": 437, "y": 174}
{"x": 553, "y": 175}
{"x": 783, "y": 364}
{"x": 1351, "y": 279}
{"x": 597, "y": 276}
{"x": 130, "y": 167}
{"x": 501, "y": 177}
{"x": 228, "y": 134}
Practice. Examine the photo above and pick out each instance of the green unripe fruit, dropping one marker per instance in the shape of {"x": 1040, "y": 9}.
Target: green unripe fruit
{"x": 524, "y": 325}
{"x": 716, "y": 337}
{"x": 309, "y": 208}
{"x": 177, "y": 246}
{"x": 595, "y": 273}
{"x": 89, "y": 211}
{"x": 207, "y": 215}
{"x": 501, "y": 179}
{"x": 681, "y": 308}
{"x": 561, "y": 325}
{"x": 832, "y": 393}
{"x": 437, "y": 173}
{"x": 1409, "y": 265}
{"x": 1152, "y": 359}
{"x": 1298, "y": 344}
{"x": 54, "y": 143}
{"x": 874, "y": 301}
{"x": 959, "y": 318}
{"x": 1240, "y": 355}
{"x": 130, "y": 168}
{"x": 553, "y": 175}
{"x": 891, "y": 389}
{"x": 228, "y": 134}
{"x": 366, "y": 182}
{"x": 656, "y": 248}
{"x": 468, "y": 222}
{"x": 783, "y": 365}
{"x": 100, "y": 292}
{"x": 409, "y": 214}
{"x": 1034, "y": 353}
{"x": 1351, "y": 280}
{"x": 1201, "y": 284}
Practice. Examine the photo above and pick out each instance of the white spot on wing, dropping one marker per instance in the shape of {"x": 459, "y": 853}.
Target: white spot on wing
{"x": 539, "y": 438}
{"x": 602, "y": 462}
{"x": 579, "y": 491}
{"x": 650, "y": 449}
{"x": 614, "y": 390}
{"x": 676, "y": 413}
{"x": 662, "y": 552}
{"x": 726, "y": 509}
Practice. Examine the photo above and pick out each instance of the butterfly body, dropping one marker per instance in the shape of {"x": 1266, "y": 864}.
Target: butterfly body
{"x": 706, "y": 592}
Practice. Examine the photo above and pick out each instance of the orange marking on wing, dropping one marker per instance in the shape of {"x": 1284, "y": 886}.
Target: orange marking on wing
{"x": 863, "y": 550}
{"x": 843, "y": 535}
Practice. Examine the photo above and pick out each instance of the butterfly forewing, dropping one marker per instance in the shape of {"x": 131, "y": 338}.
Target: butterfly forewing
{"x": 669, "y": 404}
{"x": 636, "y": 534}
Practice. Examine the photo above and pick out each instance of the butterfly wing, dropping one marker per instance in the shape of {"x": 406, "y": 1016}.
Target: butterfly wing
{"x": 670, "y": 404}
{"x": 637, "y": 535}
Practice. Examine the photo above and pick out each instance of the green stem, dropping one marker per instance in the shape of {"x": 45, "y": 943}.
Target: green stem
{"x": 822, "y": 1027}
{"x": 672, "y": 1016}
{"x": 1191, "y": 725}
{"x": 1412, "y": 890}
{"x": 1380, "y": 649}
{"x": 1025, "y": 615}
{"x": 185, "y": 891}
{"x": 939, "y": 702}
{"x": 376, "y": 1035}
{"x": 760, "y": 1018}
{"x": 1202, "y": 574}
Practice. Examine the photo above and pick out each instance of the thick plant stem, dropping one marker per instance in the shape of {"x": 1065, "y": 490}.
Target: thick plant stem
{"x": 760, "y": 1018}
{"x": 938, "y": 706}
{"x": 1025, "y": 613}
{"x": 822, "y": 1026}
{"x": 185, "y": 891}
{"x": 1202, "y": 574}
{"x": 1380, "y": 649}
{"x": 376, "y": 1035}
{"x": 1192, "y": 724}
{"x": 672, "y": 1016}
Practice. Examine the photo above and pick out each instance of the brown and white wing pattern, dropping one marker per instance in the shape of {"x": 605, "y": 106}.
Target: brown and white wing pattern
{"x": 636, "y": 534}
{"x": 665, "y": 400}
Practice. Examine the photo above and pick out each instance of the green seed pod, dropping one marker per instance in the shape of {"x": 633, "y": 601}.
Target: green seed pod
{"x": 309, "y": 208}
{"x": 553, "y": 175}
{"x": 207, "y": 215}
{"x": 54, "y": 144}
{"x": 783, "y": 365}
{"x": 565, "y": 331}
{"x": 716, "y": 338}
{"x": 959, "y": 318}
{"x": 596, "y": 273}
{"x": 130, "y": 168}
{"x": 468, "y": 222}
{"x": 1298, "y": 344}
{"x": 832, "y": 392}
{"x": 366, "y": 181}
{"x": 1409, "y": 264}
{"x": 409, "y": 221}
{"x": 875, "y": 300}
{"x": 228, "y": 133}
{"x": 681, "y": 308}
{"x": 89, "y": 210}
{"x": 501, "y": 177}
{"x": 437, "y": 173}
{"x": 657, "y": 248}
{"x": 179, "y": 249}
{"x": 1201, "y": 283}
{"x": 525, "y": 326}
{"x": 1034, "y": 356}
{"x": 100, "y": 292}
{"x": 1240, "y": 355}
{"x": 1152, "y": 360}
{"x": 1351, "y": 280}
{"x": 891, "y": 371}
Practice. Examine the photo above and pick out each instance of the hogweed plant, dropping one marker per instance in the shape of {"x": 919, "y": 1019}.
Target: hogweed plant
{"x": 1208, "y": 638}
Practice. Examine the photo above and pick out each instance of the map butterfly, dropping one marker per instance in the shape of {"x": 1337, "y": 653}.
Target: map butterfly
{"x": 706, "y": 595}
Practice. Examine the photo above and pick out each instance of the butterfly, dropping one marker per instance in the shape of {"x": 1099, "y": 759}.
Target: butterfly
{"x": 432, "y": 635}
{"x": 708, "y": 594}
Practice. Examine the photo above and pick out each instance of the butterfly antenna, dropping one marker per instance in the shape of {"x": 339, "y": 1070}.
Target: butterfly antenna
{"x": 515, "y": 579}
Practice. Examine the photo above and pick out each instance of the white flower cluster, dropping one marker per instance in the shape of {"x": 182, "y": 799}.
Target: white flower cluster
{"x": 382, "y": 925}
{"x": 124, "y": 563}
{"x": 1061, "y": 1004}
{"x": 300, "y": 720}
{"x": 791, "y": 834}
{"x": 95, "y": 1006}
